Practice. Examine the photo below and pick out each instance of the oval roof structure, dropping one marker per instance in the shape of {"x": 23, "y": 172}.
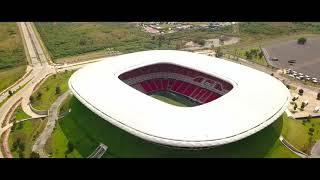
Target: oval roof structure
{"x": 256, "y": 100}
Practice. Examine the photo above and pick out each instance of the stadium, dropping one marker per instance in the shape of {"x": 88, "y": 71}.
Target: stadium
{"x": 180, "y": 99}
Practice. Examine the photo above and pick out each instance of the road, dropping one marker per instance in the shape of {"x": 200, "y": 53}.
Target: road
{"x": 40, "y": 69}
{"x": 37, "y": 70}
{"x": 53, "y": 116}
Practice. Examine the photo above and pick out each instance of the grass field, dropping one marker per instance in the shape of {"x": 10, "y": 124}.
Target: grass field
{"x": 300, "y": 134}
{"x": 23, "y": 136}
{"x": 69, "y": 39}
{"x": 20, "y": 114}
{"x": 72, "y": 39}
{"x": 12, "y": 56}
{"x": 85, "y": 131}
{"x": 11, "y": 47}
{"x": 10, "y": 76}
{"x": 48, "y": 90}
{"x": 174, "y": 99}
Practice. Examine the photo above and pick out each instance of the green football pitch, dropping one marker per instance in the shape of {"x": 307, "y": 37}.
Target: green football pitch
{"x": 174, "y": 99}
{"x": 85, "y": 130}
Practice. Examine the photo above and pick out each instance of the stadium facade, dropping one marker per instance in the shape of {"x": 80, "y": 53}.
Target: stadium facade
{"x": 232, "y": 100}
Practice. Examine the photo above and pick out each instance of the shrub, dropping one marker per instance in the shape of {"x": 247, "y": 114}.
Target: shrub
{"x": 58, "y": 90}
{"x": 302, "y": 40}
{"x": 301, "y": 91}
{"x": 34, "y": 155}
{"x": 10, "y": 93}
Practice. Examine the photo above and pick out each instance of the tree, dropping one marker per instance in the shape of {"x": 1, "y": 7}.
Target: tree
{"x": 219, "y": 52}
{"x": 318, "y": 96}
{"x": 34, "y": 155}
{"x": 58, "y": 90}
{"x": 21, "y": 146}
{"x": 31, "y": 99}
{"x": 248, "y": 55}
{"x": 260, "y": 54}
{"x": 302, "y": 41}
{"x": 303, "y": 105}
{"x": 10, "y": 93}
{"x": 39, "y": 94}
{"x": 301, "y": 92}
{"x": 70, "y": 148}
{"x": 295, "y": 106}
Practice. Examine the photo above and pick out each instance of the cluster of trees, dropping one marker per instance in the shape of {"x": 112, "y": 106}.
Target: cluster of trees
{"x": 19, "y": 146}
{"x": 254, "y": 53}
{"x": 302, "y": 40}
{"x": 39, "y": 94}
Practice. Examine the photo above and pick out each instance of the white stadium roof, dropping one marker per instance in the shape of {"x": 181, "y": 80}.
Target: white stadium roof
{"x": 256, "y": 100}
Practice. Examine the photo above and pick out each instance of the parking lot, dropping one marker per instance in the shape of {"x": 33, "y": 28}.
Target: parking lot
{"x": 304, "y": 59}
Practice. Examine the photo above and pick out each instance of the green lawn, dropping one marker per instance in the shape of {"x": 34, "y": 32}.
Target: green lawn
{"x": 85, "y": 131}
{"x": 56, "y": 145}
{"x": 20, "y": 114}
{"x": 25, "y": 134}
{"x": 10, "y": 76}
{"x": 174, "y": 99}
{"x": 48, "y": 90}
{"x": 295, "y": 133}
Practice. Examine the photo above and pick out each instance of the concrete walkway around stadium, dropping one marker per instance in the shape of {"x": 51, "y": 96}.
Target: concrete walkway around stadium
{"x": 315, "y": 151}
{"x": 52, "y": 118}
{"x": 292, "y": 148}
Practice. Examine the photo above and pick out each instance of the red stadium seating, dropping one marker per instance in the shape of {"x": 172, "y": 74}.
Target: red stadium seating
{"x": 194, "y": 90}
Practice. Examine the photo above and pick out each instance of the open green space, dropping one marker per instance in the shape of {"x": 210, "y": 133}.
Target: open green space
{"x": 19, "y": 114}
{"x": 23, "y": 136}
{"x": 48, "y": 91}
{"x": 85, "y": 130}
{"x": 12, "y": 56}
{"x": 10, "y": 76}
{"x": 11, "y": 47}
{"x": 174, "y": 99}
{"x": 301, "y": 133}
{"x": 66, "y": 39}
